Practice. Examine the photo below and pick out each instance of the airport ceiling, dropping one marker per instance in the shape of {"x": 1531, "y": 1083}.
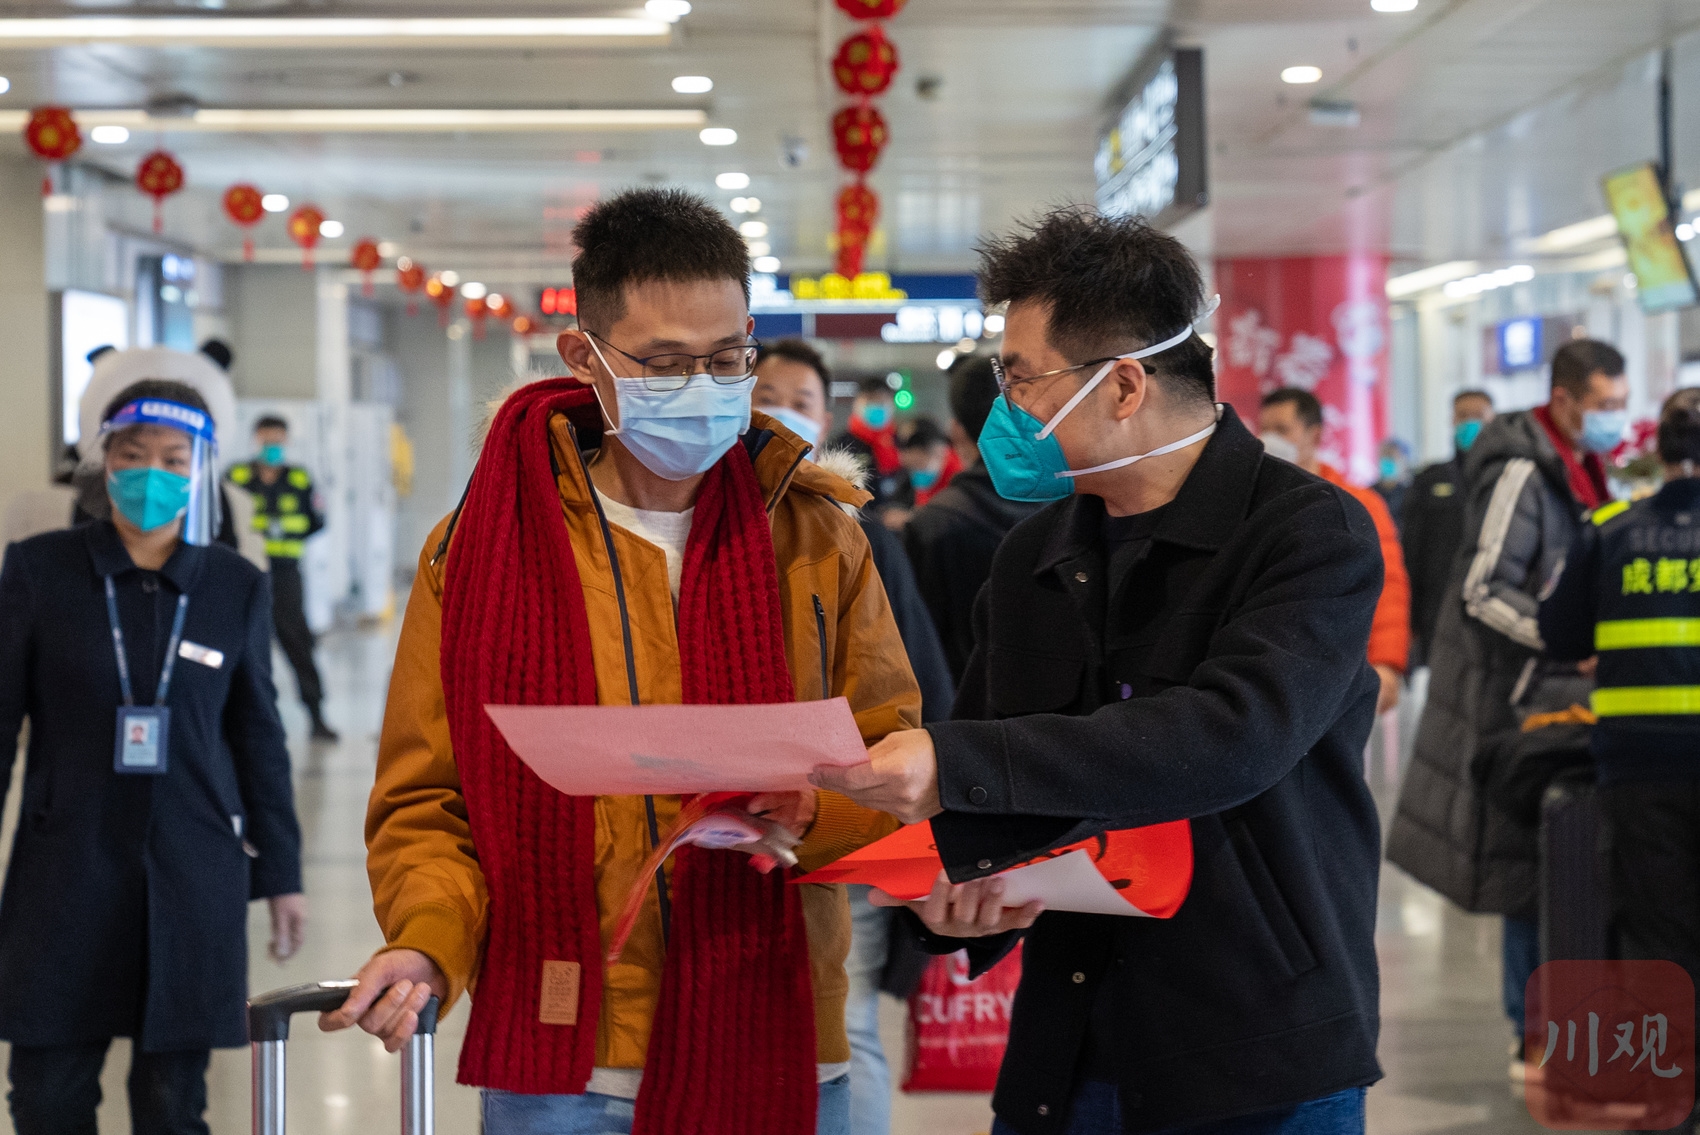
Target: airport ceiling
{"x": 1479, "y": 121}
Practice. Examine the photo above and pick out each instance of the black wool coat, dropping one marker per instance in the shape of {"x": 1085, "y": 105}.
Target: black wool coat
{"x": 1250, "y": 719}
{"x": 125, "y": 906}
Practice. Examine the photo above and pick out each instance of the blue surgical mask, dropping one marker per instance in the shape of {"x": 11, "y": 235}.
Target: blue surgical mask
{"x": 796, "y": 421}
{"x": 1602, "y": 430}
{"x": 924, "y": 479}
{"x": 1023, "y": 455}
{"x": 1465, "y": 434}
{"x": 272, "y": 455}
{"x": 875, "y": 415}
{"x": 149, "y": 498}
{"x": 1389, "y": 469}
{"x": 678, "y": 434}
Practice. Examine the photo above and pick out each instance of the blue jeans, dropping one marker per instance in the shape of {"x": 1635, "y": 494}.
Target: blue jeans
{"x": 1520, "y": 953}
{"x": 1097, "y": 1111}
{"x": 870, "y": 1077}
{"x": 509, "y": 1113}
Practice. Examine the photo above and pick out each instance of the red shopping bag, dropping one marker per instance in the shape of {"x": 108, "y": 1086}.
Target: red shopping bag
{"x": 958, "y": 1027}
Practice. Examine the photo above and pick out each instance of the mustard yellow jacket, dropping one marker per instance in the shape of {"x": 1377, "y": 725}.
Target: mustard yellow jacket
{"x": 428, "y": 892}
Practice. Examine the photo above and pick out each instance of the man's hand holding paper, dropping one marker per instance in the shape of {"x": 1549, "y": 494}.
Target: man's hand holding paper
{"x": 900, "y": 777}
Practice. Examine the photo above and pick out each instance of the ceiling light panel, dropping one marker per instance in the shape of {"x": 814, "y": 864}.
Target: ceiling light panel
{"x": 280, "y": 32}
{"x": 339, "y": 120}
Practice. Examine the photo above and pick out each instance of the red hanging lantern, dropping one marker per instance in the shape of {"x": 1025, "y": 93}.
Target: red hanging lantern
{"x": 159, "y": 176}
{"x": 443, "y": 296}
{"x": 859, "y": 132}
{"x": 865, "y": 63}
{"x": 410, "y": 278}
{"x": 852, "y": 248}
{"x": 242, "y": 205}
{"x": 366, "y": 257}
{"x": 858, "y": 208}
{"x": 477, "y": 311}
{"x": 304, "y": 230}
{"x": 871, "y": 9}
{"x": 52, "y": 135}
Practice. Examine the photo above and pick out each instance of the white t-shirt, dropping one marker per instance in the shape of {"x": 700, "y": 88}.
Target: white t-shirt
{"x": 667, "y": 531}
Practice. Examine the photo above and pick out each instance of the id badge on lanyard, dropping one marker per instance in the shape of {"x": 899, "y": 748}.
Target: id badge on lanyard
{"x": 144, "y": 732}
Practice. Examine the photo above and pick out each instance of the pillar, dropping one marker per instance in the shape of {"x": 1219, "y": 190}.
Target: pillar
{"x": 30, "y": 422}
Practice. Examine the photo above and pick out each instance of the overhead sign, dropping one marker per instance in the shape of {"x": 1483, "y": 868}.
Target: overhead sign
{"x": 1151, "y": 160}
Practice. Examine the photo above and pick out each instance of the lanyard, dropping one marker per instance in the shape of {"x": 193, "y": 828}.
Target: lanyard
{"x": 118, "y": 646}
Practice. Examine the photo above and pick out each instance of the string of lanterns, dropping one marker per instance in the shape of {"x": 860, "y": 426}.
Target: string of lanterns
{"x": 52, "y": 135}
{"x": 863, "y": 68}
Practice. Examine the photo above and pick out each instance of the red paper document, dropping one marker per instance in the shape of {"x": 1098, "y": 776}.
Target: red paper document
{"x": 619, "y": 750}
{"x": 1139, "y": 871}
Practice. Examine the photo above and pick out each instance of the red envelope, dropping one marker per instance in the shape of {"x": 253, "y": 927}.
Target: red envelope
{"x": 1149, "y": 868}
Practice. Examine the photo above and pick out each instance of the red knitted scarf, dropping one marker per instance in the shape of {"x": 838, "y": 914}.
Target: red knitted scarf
{"x": 1587, "y": 477}
{"x": 732, "y": 1048}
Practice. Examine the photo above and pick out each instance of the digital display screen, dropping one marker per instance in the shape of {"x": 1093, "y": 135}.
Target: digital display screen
{"x": 1662, "y": 276}
{"x": 1519, "y": 344}
{"x": 87, "y": 320}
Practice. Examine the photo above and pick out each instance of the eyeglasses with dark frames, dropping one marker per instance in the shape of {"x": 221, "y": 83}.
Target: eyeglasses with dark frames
{"x": 727, "y": 366}
{"x": 1007, "y": 383}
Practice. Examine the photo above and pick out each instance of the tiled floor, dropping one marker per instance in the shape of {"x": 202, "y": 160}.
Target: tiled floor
{"x": 1443, "y": 1037}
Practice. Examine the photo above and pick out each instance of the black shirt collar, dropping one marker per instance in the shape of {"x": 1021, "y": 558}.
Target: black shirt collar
{"x": 110, "y": 557}
{"x": 1680, "y": 494}
{"x": 1212, "y": 501}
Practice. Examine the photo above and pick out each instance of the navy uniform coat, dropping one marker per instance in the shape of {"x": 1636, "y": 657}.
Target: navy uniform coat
{"x": 125, "y": 906}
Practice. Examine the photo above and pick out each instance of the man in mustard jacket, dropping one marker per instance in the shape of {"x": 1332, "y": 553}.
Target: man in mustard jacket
{"x": 694, "y": 556}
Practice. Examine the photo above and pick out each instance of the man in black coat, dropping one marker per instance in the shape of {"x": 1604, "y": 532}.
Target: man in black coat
{"x": 1181, "y": 637}
{"x": 1528, "y": 480}
{"x": 1431, "y": 524}
{"x": 952, "y": 538}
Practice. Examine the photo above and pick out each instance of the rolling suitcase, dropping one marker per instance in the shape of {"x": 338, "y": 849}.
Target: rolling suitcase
{"x": 1575, "y": 895}
{"x": 268, "y": 1033}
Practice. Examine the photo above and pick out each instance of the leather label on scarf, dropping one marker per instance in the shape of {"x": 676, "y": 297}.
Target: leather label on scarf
{"x": 559, "y": 1003}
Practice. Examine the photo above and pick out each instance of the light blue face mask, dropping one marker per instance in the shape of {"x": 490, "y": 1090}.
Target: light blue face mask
{"x": 678, "y": 434}
{"x": 271, "y": 455}
{"x": 1602, "y": 430}
{"x": 1023, "y": 456}
{"x": 149, "y": 498}
{"x": 796, "y": 421}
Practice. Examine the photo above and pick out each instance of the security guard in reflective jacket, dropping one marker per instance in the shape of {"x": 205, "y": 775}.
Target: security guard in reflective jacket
{"x": 1630, "y": 596}
{"x": 286, "y": 512}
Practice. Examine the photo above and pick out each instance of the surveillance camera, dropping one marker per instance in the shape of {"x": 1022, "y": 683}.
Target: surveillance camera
{"x": 928, "y": 87}
{"x": 793, "y": 151}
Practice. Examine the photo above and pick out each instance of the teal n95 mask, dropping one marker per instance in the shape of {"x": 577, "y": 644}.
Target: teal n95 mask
{"x": 1023, "y": 456}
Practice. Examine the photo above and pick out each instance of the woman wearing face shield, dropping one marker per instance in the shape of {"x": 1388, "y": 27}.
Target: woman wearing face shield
{"x": 156, "y": 792}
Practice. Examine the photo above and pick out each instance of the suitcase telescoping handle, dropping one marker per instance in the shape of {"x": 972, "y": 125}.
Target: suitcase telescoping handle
{"x": 268, "y": 1032}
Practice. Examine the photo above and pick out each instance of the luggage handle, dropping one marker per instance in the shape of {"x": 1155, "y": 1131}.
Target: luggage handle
{"x": 268, "y": 1033}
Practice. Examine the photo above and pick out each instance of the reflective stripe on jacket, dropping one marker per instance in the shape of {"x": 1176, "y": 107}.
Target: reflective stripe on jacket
{"x": 1630, "y": 594}
{"x": 428, "y": 889}
{"x": 286, "y": 511}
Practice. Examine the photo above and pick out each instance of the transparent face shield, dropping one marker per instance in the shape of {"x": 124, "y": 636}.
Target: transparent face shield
{"x": 152, "y": 486}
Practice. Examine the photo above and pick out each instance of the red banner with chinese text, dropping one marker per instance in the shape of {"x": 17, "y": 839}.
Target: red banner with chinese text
{"x": 1315, "y": 322}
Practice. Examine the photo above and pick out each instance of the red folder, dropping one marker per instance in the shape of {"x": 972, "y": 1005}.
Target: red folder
{"x": 1150, "y": 868}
